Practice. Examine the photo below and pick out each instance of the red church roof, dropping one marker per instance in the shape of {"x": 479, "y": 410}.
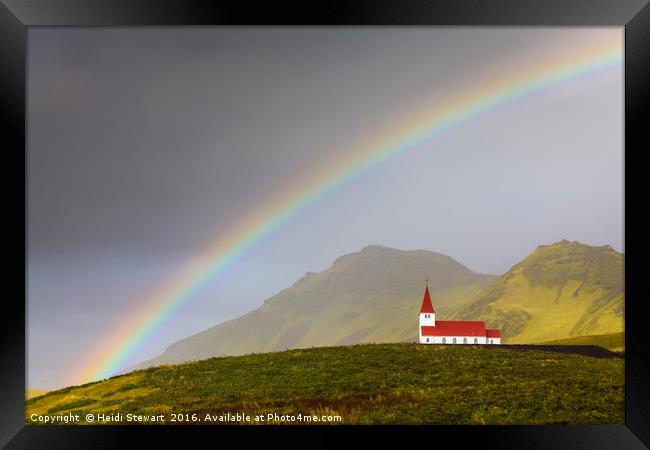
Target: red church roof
{"x": 493, "y": 333}
{"x": 427, "y": 306}
{"x": 456, "y": 328}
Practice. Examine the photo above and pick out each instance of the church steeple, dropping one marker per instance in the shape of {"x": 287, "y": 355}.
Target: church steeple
{"x": 427, "y": 317}
{"x": 427, "y": 306}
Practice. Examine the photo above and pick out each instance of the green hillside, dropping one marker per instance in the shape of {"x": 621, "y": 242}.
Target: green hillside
{"x": 559, "y": 291}
{"x": 613, "y": 341}
{"x": 365, "y": 384}
{"x": 372, "y": 295}
{"x": 31, "y": 393}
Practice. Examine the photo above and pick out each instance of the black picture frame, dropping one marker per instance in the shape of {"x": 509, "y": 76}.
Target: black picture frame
{"x": 16, "y": 16}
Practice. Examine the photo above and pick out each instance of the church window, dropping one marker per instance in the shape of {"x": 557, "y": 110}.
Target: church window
{"x": 491, "y": 341}
{"x": 464, "y": 340}
{"x": 476, "y": 340}
{"x": 427, "y": 339}
{"x": 454, "y": 340}
{"x": 444, "y": 341}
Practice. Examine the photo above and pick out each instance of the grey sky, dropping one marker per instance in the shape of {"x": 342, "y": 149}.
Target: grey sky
{"x": 143, "y": 144}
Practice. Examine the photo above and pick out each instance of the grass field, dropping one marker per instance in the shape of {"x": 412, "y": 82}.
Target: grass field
{"x": 367, "y": 384}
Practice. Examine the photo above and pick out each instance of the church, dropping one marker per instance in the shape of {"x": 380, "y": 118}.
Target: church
{"x": 434, "y": 331}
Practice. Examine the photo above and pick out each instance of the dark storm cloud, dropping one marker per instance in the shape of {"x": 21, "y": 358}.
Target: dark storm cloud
{"x": 138, "y": 136}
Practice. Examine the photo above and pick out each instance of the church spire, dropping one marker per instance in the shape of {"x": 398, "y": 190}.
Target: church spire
{"x": 427, "y": 306}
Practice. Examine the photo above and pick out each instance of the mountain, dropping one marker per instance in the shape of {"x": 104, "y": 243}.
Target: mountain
{"x": 559, "y": 291}
{"x": 372, "y": 295}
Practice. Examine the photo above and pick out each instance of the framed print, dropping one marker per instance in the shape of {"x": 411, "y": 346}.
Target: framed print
{"x": 418, "y": 218}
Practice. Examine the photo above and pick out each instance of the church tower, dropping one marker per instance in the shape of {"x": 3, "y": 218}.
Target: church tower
{"x": 427, "y": 313}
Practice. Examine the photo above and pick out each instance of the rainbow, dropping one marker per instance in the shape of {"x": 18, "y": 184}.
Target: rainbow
{"x": 424, "y": 122}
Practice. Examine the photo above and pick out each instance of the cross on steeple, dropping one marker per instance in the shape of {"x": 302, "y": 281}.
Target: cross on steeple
{"x": 426, "y": 280}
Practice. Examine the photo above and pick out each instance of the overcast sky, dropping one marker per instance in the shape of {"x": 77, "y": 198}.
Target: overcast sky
{"x": 143, "y": 144}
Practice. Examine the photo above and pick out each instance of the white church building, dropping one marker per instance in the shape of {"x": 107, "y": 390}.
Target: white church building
{"x": 434, "y": 331}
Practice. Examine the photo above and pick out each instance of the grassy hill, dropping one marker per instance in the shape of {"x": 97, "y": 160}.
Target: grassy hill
{"x": 382, "y": 383}
{"x": 373, "y": 295}
{"x": 559, "y": 291}
{"x": 612, "y": 341}
{"x": 31, "y": 393}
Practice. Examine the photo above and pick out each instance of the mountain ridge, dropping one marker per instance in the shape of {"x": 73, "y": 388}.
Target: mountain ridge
{"x": 371, "y": 295}
{"x": 560, "y": 290}
{"x": 563, "y": 290}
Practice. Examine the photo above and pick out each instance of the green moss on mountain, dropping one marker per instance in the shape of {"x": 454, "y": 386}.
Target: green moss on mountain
{"x": 562, "y": 290}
